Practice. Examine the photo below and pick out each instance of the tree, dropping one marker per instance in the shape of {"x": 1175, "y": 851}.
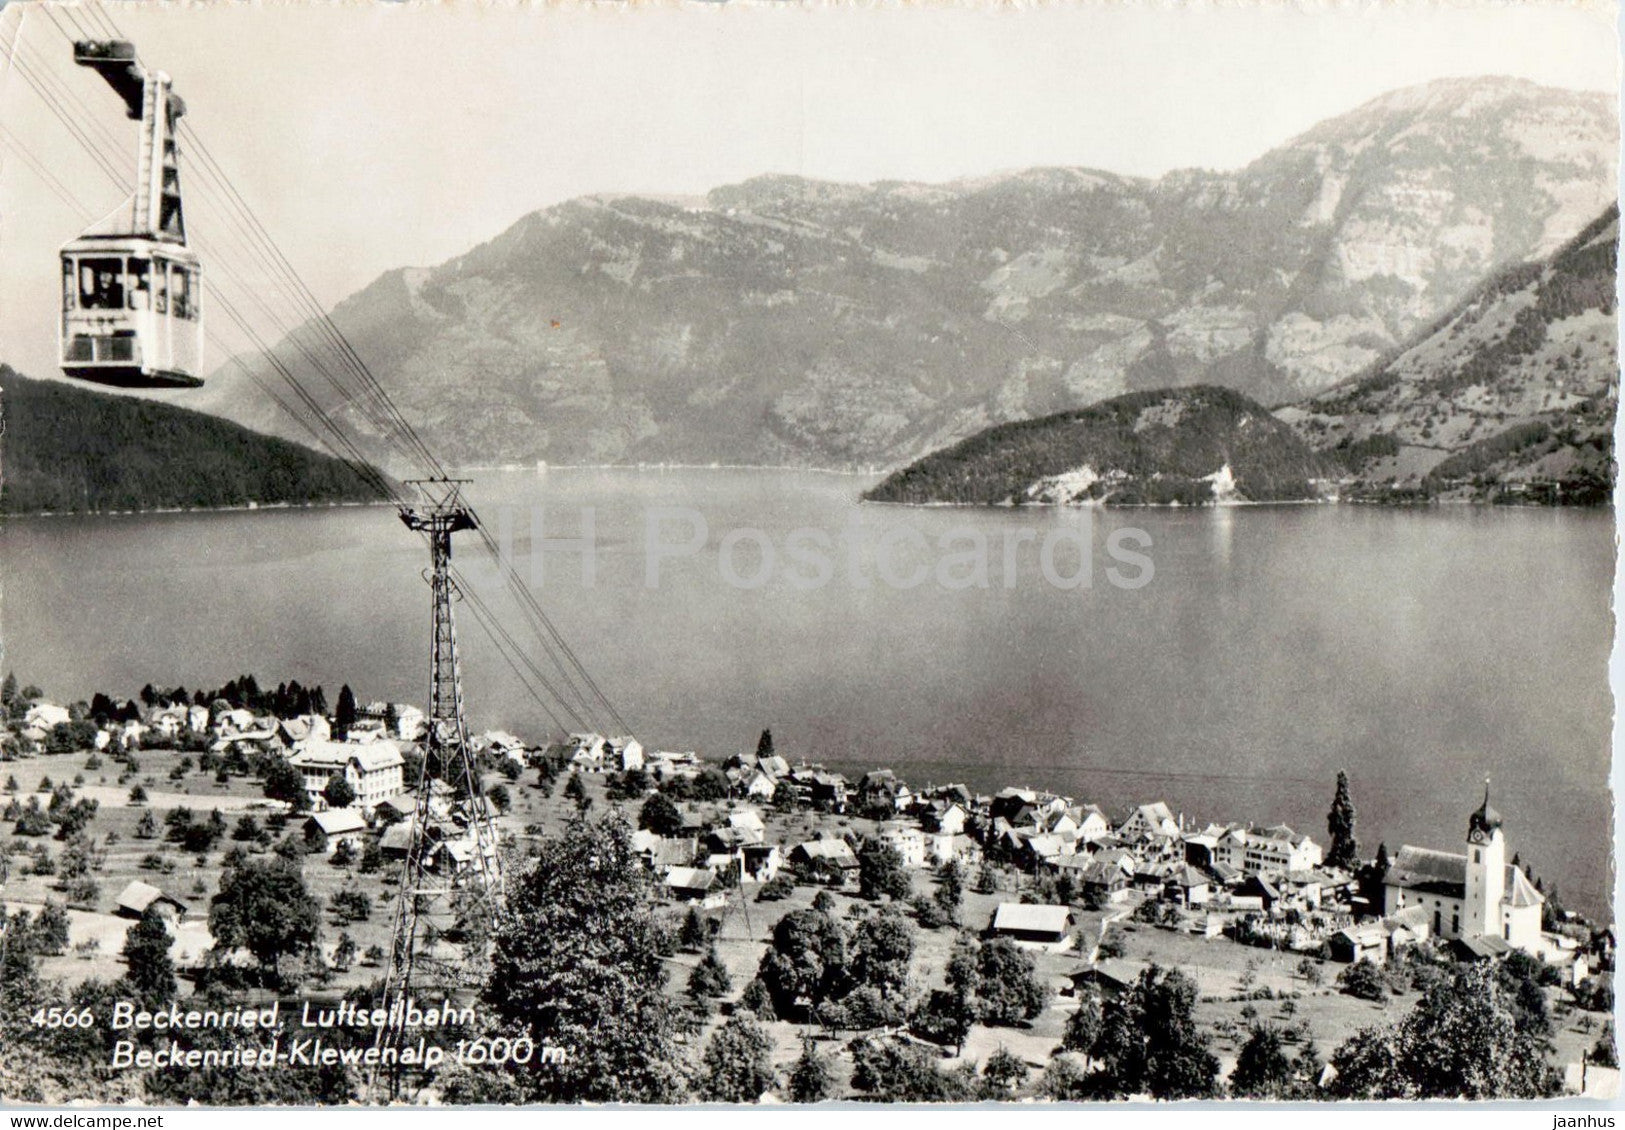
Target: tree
{"x": 285, "y": 783}
{"x": 906, "y": 1073}
{"x": 660, "y": 816}
{"x": 1149, "y": 1042}
{"x": 577, "y": 963}
{"x": 764, "y": 744}
{"x": 147, "y": 827}
{"x": 264, "y": 907}
{"x": 576, "y": 791}
{"x": 345, "y": 713}
{"x": 1343, "y": 851}
{"x": 807, "y": 962}
{"x": 338, "y": 792}
{"x": 1083, "y": 1027}
{"x": 880, "y": 871}
{"x": 247, "y": 829}
{"x": 1262, "y": 1069}
{"x": 950, "y": 892}
{"x": 1007, "y": 983}
{"x": 882, "y": 948}
{"x": 1003, "y": 1072}
{"x": 138, "y": 795}
{"x": 148, "y": 966}
{"x": 501, "y": 799}
{"x": 49, "y": 932}
{"x": 710, "y": 784}
{"x": 710, "y": 977}
{"x": 1363, "y": 980}
{"x": 1460, "y": 1041}
{"x": 344, "y": 952}
{"x": 811, "y": 1078}
{"x": 736, "y": 1066}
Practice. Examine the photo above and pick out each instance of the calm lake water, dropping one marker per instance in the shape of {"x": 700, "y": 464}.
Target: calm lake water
{"x": 1420, "y": 650}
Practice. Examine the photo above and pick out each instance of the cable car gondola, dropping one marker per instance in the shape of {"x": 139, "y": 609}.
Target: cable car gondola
{"x": 130, "y": 285}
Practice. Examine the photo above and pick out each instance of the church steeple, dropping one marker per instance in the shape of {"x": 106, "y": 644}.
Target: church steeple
{"x": 1485, "y": 820}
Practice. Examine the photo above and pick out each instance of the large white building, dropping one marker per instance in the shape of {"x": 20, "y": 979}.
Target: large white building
{"x": 1265, "y": 851}
{"x": 1471, "y": 895}
{"x": 374, "y": 770}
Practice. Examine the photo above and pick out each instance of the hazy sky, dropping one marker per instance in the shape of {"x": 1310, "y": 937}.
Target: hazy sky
{"x": 372, "y": 137}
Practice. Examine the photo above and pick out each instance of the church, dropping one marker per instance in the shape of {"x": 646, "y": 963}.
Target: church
{"x": 1472, "y": 895}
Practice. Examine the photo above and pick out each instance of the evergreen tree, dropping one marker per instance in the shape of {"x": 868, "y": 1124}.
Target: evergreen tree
{"x": 148, "y": 966}
{"x": 345, "y": 714}
{"x": 736, "y": 1066}
{"x": 710, "y": 977}
{"x": 764, "y": 744}
{"x": 1344, "y": 850}
{"x": 1262, "y": 1069}
{"x": 811, "y": 1079}
{"x": 694, "y": 933}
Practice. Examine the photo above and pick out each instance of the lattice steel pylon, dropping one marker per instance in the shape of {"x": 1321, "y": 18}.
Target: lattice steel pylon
{"x": 451, "y": 881}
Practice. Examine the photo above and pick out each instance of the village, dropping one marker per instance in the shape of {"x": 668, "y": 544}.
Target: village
{"x": 114, "y": 809}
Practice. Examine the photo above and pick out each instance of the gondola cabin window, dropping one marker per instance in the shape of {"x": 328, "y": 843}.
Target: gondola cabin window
{"x": 101, "y": 284}
{"x": 138, "y": 272}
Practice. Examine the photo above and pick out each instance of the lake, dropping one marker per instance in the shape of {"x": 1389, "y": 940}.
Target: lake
{"x": 1422, "y": 650}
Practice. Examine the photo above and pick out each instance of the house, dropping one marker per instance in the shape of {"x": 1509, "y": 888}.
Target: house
{"x": 661, "y": 852}
{"x": 761, "y": 861}
{"x": 1260, "y": 888}
{"x": 1033, "y": 852}
{"x": 1187, "y": 886}
{"x": 1360, "y": 943}
{"x": 391, "y": 720}
{"x": 909, "y": 842}
{"x": 825, "y": 854}
{"x": 42, "y": 718}
{"x": 1149, "y": 821}
{"x": 1017, "y": 807}
{"x": 394, "y": 809}
{"x": 373, "y": 769}
{"x": 624, "y": 753}
{"x": 295, "y": 732}
{"x": 1106, "y": 880}
{"x": 756, "y": 785}
{"x": 1032, "y": 922}
{"x": 947, "y": 817}
{"x": 586, "y": 752}
{"x": 1103, "y": 980}
{"x": 335, "y": 826}
{"x": 691, "y": 884}
{"x": 942, "y": 849}
{"x": 882, "y": 789}
{"x": 396, "y": 841}
{"x": 136, "y": 897}
{"x": 1092, "y": 823}
{"x": 748, "y": 823}
{"x": 1475, "y": 894}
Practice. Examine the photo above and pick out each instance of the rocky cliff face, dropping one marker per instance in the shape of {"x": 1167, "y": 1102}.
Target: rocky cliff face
{"x": 791, "y": 321}
{"x": 1516, "y": 386}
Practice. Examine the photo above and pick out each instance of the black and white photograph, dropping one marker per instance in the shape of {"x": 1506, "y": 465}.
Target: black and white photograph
{"x": 761, "y": 553}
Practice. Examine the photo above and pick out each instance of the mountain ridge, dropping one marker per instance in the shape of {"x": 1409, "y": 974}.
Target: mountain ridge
{"x": 801, "y": 322}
